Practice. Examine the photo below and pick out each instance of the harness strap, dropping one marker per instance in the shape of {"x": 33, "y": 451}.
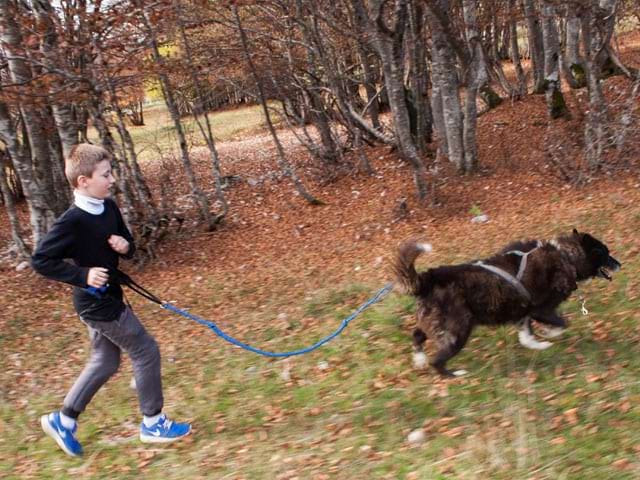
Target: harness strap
{"x": 523, "y": 262}
{"x": 513, "y": 281}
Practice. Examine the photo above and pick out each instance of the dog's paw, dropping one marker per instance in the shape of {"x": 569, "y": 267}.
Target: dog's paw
{"x": 527, "y": 340}
{"x": 551, "y": 332}
{"x": 419, "y": 360}
{"x": 459, "y": 373}
{"x": 535, "y": 345}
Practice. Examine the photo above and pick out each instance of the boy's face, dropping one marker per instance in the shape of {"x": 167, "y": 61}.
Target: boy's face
{"x": 100, "y": 183}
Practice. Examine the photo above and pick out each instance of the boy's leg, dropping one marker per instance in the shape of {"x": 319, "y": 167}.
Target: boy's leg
{"x": 145, "y": 357}
{"x": 129, "y": 335}
{"x": 103, "y": 362}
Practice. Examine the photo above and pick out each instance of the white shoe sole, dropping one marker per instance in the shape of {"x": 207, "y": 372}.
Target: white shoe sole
{"x": 46, "y": 426}
{"x": 151, "y": 439}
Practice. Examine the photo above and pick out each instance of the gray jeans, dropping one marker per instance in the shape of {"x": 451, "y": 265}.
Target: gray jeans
{"x": 108, "y": 339}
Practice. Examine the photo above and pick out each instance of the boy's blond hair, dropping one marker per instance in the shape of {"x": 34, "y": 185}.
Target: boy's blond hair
{"x": 82, "y": 160}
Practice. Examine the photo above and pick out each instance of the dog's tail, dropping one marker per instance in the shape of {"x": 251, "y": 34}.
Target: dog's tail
{"x": 404, "y": 268}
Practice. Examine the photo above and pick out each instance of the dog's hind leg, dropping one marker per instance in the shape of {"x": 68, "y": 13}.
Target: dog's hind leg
{"x": 419, "y": 357}
{"x": 526, "y": 338}
{"x": 449, "y": 347}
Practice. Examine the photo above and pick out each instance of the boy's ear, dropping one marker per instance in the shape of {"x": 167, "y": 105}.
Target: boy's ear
{"x": 82, "y": 180}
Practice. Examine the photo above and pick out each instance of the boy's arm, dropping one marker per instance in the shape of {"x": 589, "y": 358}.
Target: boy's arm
{"x": 48, "y": 259}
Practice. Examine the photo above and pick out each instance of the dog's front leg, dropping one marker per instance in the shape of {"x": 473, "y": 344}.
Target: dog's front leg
{"x": 554, "y": 324}
{"x": 526, "y": 338}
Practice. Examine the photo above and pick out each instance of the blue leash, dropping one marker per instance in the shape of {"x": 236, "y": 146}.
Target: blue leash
{"x": 128, "y": 281}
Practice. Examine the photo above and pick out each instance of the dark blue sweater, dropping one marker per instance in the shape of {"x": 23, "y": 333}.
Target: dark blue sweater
{"x": 82, "y": 237}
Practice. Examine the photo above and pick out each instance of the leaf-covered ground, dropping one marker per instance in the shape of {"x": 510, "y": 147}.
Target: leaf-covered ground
{"x": 281, "y": 274}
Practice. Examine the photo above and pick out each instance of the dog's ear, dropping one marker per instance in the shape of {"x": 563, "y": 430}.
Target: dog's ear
{"x": 576, "y": 233}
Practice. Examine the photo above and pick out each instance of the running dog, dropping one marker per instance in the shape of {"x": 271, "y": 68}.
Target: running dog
{"x": 528, "y": 279}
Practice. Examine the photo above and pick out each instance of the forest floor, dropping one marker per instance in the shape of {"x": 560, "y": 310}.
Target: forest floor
{"x": 281, "y": 274}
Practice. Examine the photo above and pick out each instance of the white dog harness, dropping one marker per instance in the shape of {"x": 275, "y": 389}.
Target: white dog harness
{"x": 516, "y": 281}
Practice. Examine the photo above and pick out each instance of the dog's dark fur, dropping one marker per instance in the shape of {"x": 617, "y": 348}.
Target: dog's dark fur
{"x": 453, "y": 299}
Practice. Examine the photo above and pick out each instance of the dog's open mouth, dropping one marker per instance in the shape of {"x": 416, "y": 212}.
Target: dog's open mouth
{"x": 612, "y": 266}
{"x": 604, "y": 273}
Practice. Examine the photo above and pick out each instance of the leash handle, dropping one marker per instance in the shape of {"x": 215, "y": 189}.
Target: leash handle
{"x": 97, "y": 292}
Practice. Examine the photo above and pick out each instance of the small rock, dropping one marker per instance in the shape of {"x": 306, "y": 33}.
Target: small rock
{"x": 252, "y": 369}
{"x": 132, "y": 383}
{"x": 285, "y": 374}
{"x": 416, "y": 437}
{"x": 323, "y": 365}
{"x": 480, "y": 219}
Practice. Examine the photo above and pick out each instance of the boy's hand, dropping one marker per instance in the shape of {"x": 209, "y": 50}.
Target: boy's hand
{"x": 119, "y": 244}
{"x": 98, "y": 276}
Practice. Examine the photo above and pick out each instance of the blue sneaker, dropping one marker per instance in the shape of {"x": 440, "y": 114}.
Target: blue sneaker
{"x": 64, "y": 437}
{"x": 164, "y": 431}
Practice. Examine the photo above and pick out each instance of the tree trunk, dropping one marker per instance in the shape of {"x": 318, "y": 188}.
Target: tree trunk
{"x": 594, "y": 131}
{"x": 62, "y": 109}
{"x": 536, "y": 46}
{"x": 369, "y": 78}
{"x": 9, "y": 202}
{"x": 32, "y": 170}
{"x": 521, "y": 89}
{"x": 601, "y": 37}
{"x": 572, "y": 63}
{"x": 476, "y": 78}
{"x": 389, "y": 43}
{"x": 627, "y": 118}
{"x": 437, "y": 110}
{"x": 556, "y": 105}
{"x": 419, "y": 77}
{"x": 445, "y": 78}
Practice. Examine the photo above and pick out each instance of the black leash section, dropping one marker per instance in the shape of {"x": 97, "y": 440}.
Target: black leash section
{"x": 126, "y": 280}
